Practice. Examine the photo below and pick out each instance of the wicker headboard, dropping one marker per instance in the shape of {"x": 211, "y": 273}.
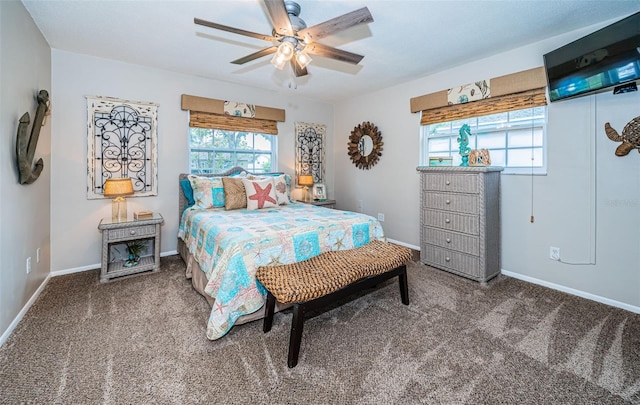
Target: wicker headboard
{"x": 182, "y": 201}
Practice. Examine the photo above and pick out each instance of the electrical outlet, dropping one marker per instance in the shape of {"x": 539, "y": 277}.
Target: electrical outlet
{"x": 38, "y": 255}
{"x": 380, "y": 217}
{"x": 554, "y": 253}
{"x": 360, "y": 207}
{"x": 28, "y": 265}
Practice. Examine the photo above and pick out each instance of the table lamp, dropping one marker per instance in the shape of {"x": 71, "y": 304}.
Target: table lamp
{"x": 305, "y": 180}
{"x": 118, "y": 188}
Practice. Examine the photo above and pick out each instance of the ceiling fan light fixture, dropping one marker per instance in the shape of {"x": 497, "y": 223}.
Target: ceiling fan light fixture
{"x": 291, "y": 38}
{"x": 286, "y": 50}
{"x": 279, "y": 61}
{"x": 303, "y": 59}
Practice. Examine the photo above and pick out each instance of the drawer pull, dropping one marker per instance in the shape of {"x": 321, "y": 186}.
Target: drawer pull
{"x": 447, "y": 259}
{"x": 448, "y": 240}
{"x": 448, "y": 202}
{"x": 447, "y": 220}
{"x": 447, "y": 182}
{"x": 132, "y": 232}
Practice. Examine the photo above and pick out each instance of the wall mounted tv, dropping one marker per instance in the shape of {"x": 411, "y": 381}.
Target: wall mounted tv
{"x": 605, "y": 58}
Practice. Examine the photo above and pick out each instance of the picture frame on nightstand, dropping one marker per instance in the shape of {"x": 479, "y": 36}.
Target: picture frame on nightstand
{"x": 319, "y": 192}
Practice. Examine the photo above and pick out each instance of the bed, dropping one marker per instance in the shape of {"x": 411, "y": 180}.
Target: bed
{"x": 223, "y": 248}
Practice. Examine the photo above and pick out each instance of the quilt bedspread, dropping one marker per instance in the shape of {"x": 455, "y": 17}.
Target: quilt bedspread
{"x": 229, "y": 246}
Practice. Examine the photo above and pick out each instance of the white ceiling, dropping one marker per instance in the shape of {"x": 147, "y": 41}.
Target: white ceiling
{"x": 408, "y": 39}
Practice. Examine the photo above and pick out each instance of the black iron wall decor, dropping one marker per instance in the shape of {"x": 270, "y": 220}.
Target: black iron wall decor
{"x": 365, "y": 145}
{"x": 26, "y": 143}
{"x": 310, "y": 150}
{"x": 122, "y": 140}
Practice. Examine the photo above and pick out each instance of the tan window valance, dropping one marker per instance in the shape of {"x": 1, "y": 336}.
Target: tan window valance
{"x": 210, "y": 113}
{"x": 516, "y": 91}
{"x": 493, "y": 105}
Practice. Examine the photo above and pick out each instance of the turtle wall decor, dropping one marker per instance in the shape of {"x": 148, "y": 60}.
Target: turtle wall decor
{"x": 630, "y": 136}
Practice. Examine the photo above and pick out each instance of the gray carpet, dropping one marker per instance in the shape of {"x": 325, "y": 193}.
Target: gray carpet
{"x": 142, "y": 340}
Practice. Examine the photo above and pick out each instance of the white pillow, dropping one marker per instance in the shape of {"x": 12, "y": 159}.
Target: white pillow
{"x": 282, "y": 189}
{"x": 260, "y": 194}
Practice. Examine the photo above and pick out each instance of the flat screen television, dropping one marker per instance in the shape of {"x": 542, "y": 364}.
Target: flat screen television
{"x": 605, "y": 58}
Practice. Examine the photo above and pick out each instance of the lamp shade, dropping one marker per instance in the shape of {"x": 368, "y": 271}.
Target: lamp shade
{"x": 279, "y": 61}
{"x": 303, "y": 59}
{"x": 118, "y": 187}
{"x": 305, "y": 180}
{"x": 286, "y": 49}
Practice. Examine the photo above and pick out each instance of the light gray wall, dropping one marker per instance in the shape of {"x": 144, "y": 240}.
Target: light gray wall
{"x": 24, "y": 209}
{"x": 587, "y": 204}
{"x": 76, "y": 241}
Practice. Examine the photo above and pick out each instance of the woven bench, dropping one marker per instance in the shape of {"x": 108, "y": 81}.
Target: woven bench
{"x": 330, "y": 276}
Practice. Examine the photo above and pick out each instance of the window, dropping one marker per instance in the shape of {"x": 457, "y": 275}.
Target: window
{"x": 515, "y": 139}
{"x": 215, "y": 150}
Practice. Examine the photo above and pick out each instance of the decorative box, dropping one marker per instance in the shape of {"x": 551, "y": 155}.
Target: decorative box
{"x": 143, "y": 215}
{"x": 441, "y": 161}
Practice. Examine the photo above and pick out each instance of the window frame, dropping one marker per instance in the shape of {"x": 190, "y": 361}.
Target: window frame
{"x": 538, "y": 170}
{"x": 233, "y": 151}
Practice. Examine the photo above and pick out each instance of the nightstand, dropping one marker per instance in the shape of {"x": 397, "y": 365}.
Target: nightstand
{"x": 325, "y": 203}
{"x": 119, "y": 232}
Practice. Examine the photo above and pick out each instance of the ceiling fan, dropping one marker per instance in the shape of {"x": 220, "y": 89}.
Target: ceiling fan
{"x": 292, "y": 41}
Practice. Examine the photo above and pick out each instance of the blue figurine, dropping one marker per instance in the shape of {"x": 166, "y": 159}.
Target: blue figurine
{"x": 463, "y": 140}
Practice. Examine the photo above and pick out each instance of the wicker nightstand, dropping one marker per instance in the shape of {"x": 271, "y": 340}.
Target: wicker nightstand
{"x": 114, "y": 232}
{"x": 325, "y": 203}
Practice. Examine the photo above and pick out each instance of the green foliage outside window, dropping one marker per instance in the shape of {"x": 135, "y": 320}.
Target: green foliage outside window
{"x": 214, "y": 151}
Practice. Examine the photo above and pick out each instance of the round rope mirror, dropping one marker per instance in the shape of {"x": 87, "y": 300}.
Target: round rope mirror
{"x": 365, "y": 145}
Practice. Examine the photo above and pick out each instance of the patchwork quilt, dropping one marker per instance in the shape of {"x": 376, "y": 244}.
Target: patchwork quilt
{"x": 229, "y": 246}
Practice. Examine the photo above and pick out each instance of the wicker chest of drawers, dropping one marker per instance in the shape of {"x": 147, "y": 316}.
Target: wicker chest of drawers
{"x": 460, "y": 220}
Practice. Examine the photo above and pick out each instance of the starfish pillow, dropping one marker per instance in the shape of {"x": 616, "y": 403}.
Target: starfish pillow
{"x": 260, "y": 194}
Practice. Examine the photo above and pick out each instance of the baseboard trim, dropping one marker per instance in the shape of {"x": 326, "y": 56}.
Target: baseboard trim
{"x": 36, "y": 294}
{"x": 572, "y": 291}
{"x": 97, "y": 266}
{"x": 74, "y": 270}
{"x": 397, "y": 242}
{"x": 23, "y": 311}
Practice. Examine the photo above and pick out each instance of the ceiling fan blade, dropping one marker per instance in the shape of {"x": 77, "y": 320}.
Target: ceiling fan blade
{"x": 279, "y": 17}
{"x": 360, "y": 16}
{"x": 298, "y": 70}
{"x": 256, "y": 55}
{"x": 333, "y": 53}
{"x": 234, "y": 30}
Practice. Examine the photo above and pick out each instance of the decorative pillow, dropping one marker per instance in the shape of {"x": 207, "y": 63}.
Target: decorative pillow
{"x": 260, "y": 194}
{"x": 208, "y": 192}
{"x": 282, "y": 188}
{"x": 283, "y": 197}
{"x": 187, "y": 191}
{"x": 234, "y": 195}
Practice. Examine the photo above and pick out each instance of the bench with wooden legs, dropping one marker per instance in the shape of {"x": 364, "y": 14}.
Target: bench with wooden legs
{"x": 323, "y": 279}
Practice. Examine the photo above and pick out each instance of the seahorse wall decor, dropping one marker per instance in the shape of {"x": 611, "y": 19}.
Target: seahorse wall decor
{"x": 630, "y": 136}
{"x": 26, "y": 144}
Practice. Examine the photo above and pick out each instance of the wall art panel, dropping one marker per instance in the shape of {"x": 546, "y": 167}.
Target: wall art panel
{"x": 122, "y": 142}
{"x": 310, "y": 146}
